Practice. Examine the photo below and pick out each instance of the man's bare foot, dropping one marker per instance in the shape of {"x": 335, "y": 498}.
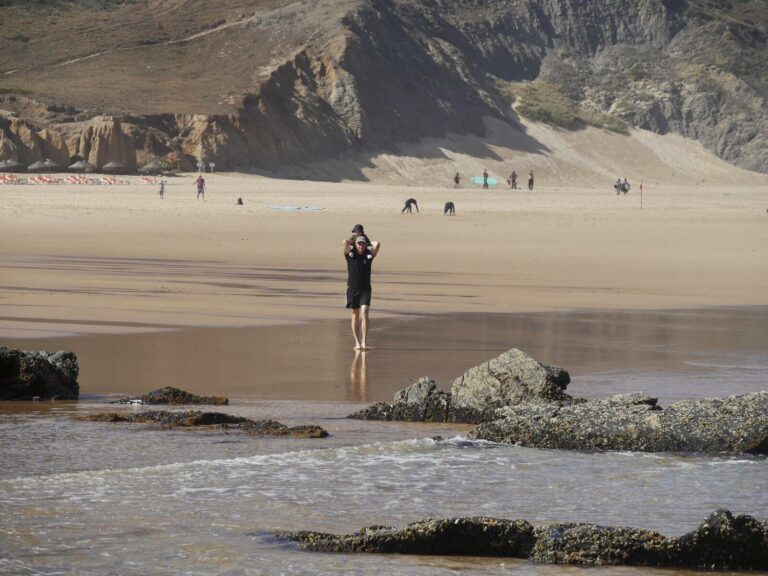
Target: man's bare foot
{"x": 364, "y": 347}
{"x": 357, "y": 348}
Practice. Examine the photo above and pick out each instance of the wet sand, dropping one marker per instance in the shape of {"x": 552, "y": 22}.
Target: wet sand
{"x": 673, "y": 354}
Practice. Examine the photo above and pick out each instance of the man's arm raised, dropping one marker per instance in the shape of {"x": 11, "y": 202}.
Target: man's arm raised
{"x": 347, "y": 246}
{"x": 375, "y": 245}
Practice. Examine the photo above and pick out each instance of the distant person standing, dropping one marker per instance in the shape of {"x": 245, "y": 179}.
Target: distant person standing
{"x": 359, "y": 259}
{"x": 200, "y": 187}
{"x": 457, "y": 180}
{"x": 530, "y": 180}
{"x": 162, "y": 189}
{"x": 410, "y": 204}
{"x": 513, "y": 178}
{"x": 485, "y": 179}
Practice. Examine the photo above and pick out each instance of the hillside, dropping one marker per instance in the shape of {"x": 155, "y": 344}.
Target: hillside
{"x": 261, "y": 84}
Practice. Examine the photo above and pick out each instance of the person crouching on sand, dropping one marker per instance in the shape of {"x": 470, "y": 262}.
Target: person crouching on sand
{"x": 359, "y": 257}
{"x": 410, "y": 204}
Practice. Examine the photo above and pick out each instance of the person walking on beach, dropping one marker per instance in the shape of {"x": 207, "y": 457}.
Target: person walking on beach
{"x": 449, "y": 210}
{"x": 485, "y": 179}
{"x": 513, "y": 180}
{"x": 359, "y": 257}
{"x": 530, "y": 180}
{"x": 410, "y": 204}
{"x": 457, "y": 180}
{"x": 200, "y": 187}
{"x": 162, "y": 189}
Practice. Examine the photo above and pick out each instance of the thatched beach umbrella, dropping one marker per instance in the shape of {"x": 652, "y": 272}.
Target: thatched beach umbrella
{"x": 11, "y": 166}
{"x": 38, "y": 166}
{"x": 114, "y": 167}
{"x": 81, "y": 166}
{"x": 152, "y": 168}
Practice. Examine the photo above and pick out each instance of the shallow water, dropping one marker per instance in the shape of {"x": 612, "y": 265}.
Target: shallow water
{"x": 672, "y": 354}
{"x": 98, "y": 498}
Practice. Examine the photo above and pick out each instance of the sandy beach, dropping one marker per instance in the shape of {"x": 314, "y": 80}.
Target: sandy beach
{"x": 95, "y": 259}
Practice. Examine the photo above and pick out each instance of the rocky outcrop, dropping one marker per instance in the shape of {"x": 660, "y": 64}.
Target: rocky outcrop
{"x": 442, "y": 537}
{"x": 517, "y": 400}
{"x": 722, "y": 541}
{"x": 198, "y": 419}
{"x": 38, "y": 375}
{"x": 511, "y": 378}
{"x": 736, "y": 424}
{"x": 21, "y": 141}
{"x": 103, "y": 141}
{"x": 170, "y": 395}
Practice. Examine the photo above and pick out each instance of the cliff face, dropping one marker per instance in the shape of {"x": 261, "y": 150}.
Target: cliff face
{"x": 393, "y": 71}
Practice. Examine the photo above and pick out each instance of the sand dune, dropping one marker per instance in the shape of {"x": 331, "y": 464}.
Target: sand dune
{"x": 90, "y": 259}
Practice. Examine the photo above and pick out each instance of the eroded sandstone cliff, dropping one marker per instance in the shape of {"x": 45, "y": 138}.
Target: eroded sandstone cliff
{"x": 385, "y": 71}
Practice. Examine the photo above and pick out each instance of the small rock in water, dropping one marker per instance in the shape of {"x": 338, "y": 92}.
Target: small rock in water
{"x": 196, "y": 418}
{"x": 170, "y": 395}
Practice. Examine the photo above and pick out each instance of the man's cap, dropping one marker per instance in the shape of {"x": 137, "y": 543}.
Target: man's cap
{"x": 358, "y": 228}
{"x": 361, "y": 240}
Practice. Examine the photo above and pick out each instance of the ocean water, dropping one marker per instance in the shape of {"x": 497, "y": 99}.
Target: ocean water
{"x": 99, "y": 498}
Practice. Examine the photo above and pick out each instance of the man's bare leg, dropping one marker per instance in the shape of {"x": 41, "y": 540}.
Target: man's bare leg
{"x": 364, "y": 327}
{"x": 355, "y": 327}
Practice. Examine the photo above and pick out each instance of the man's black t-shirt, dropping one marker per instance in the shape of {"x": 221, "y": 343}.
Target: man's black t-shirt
{"x": 359, "y": 269}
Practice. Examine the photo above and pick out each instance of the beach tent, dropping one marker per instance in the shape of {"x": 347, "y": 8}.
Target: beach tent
{"x": 38, "y": 166}
{"x": 11, "y": 166}
{"x": 81, "y": 166}
{"x": 152, "y": 168}
{"x": 114, "y": 167}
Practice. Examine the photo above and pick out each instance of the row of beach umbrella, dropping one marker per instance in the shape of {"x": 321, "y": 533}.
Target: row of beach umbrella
{"x": 80, "y": 166}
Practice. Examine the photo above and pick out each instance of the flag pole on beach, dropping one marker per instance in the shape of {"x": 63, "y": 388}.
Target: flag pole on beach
{"x": 641, "y": 194}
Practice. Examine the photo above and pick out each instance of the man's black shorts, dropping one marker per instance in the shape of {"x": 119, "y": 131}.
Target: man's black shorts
{"x": 357, "y": 299}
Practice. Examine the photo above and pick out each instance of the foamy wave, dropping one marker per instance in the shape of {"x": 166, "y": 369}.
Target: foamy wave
{"x": 381, "y": 450}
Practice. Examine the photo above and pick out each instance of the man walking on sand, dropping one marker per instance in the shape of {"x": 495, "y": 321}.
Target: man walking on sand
{"x": 359, "y": 259}
{"x": 200, "y": 187}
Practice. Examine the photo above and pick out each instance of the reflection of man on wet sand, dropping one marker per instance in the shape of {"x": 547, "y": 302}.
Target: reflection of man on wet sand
{"x": 359, "y": 259}
{"x": 358, "y": 379}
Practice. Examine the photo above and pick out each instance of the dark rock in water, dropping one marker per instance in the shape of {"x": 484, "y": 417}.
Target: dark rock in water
{"x": 220, "y": 420}
{"x": 722, "y": 541}
{"x": 736, "y": 424}
{"x": 420, "y": 402}
{"x": 170, "y": 395}
{"x": 512, "y": 378}
{"x": 725, "y": 541}
{"x": 441, "y": 537}
{"x": 42, "y": 375}
{"x": 588, "y": 544}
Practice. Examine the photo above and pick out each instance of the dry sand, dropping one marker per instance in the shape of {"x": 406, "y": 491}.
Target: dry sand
{"x": 92, "y": 259}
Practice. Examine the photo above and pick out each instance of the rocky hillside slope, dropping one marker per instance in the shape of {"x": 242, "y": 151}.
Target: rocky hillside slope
{"x": 260, "y": 84}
